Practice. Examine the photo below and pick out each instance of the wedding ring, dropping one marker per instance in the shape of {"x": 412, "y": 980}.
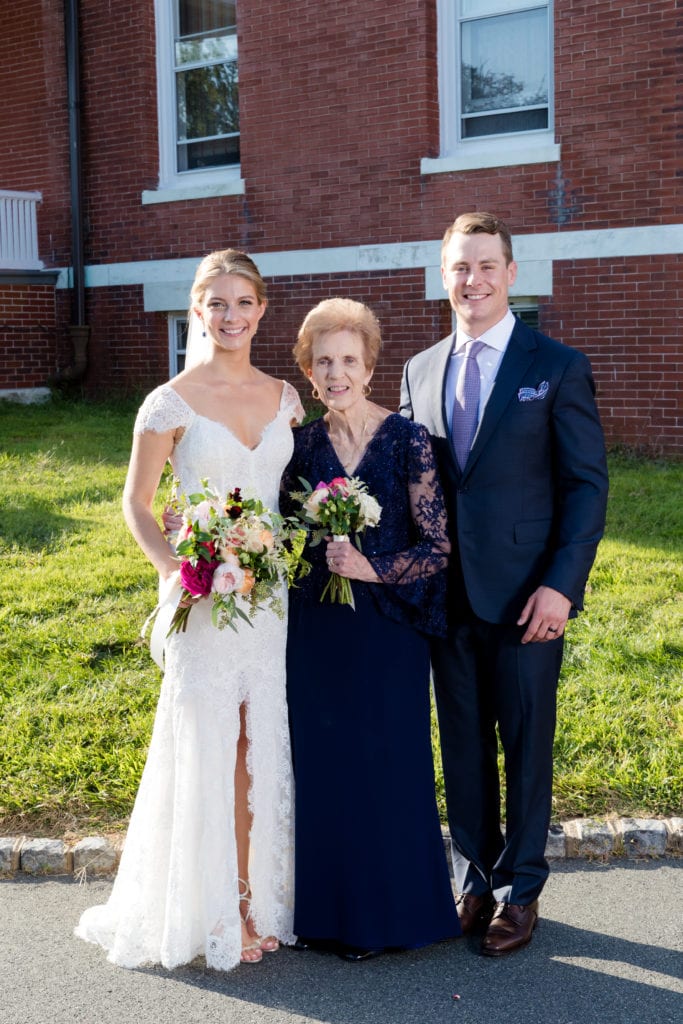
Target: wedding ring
{"x": 551, "y": 629}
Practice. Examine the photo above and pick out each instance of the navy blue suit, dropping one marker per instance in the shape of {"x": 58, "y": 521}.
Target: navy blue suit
{"x": 528, "y": 509}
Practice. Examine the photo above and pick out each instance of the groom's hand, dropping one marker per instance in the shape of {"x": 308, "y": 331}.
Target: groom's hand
{"x": 545, "y": 615}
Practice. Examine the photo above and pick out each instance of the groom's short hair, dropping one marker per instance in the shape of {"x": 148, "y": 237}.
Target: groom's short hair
{"x": 480, "y": 222}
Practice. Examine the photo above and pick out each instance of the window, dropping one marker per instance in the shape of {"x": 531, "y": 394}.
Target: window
{"x": 198, "y": 100}
{"x": 205, "y": 69}
{"x": 177, "y": 342}
{"x": 495, "y": 83}
{"x": 504, "y": 68}
{"x": 526, "y": 308}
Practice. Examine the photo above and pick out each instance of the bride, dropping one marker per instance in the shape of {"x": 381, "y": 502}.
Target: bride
{"x": 207, "y": 864}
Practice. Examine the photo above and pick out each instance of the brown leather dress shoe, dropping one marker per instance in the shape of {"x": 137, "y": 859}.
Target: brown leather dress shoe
{"x": 511, "y": 928}
{"x": 473, "y": 911}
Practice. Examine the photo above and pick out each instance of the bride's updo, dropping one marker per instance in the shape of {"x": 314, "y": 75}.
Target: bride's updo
{"x": 226, "y": 261}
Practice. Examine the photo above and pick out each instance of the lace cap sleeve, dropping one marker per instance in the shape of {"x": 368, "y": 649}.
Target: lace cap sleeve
{"x": 162, "y": 410}
{"x": 291, "y": 403}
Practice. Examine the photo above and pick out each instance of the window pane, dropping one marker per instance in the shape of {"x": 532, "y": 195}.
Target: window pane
{"x": 180, "y": 333}
{"x": 195, "y": 16}
{"x": 207, "y": 102}
{"x": 193, "y": 156}
{"x": 505, "y": 62}
{"x": 500, "y": 124}
{"x": 206, "y": 49}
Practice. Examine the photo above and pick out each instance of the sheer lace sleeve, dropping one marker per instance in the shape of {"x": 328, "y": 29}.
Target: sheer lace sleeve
{"x": 163, "y": 409}
{"x": 291, "y": 403}
{"x": 429, "y": 553}
{"x": 409, "y": 547}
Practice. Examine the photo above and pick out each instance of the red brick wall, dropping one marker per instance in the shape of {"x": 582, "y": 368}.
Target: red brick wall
{"x": 626, "y": 314}
{"x": 338, "y": 106}
{"x": 35, "y": 151}
{"x": 27, "y": 335}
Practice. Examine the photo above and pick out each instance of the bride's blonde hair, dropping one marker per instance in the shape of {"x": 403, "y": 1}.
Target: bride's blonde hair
{"x": 226, "y": 261}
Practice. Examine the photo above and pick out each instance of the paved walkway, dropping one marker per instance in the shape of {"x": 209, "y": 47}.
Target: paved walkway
{"x": 608, "y": 950}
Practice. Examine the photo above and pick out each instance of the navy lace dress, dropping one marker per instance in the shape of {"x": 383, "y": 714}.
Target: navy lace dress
{"x": 370, "y": 866}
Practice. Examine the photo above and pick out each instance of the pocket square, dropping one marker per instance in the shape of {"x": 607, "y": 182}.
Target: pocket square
{"x": 533, "y": 394}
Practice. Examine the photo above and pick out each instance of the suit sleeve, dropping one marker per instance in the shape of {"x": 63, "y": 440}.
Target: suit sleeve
{"x": 580, "y": 479}
{"x": 406, "y": 403}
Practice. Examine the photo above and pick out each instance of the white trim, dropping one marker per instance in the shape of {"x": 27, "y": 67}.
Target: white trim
{"x": 25, "y": 396}
{"x": 167, "y": 282}
{"x": 232, "y": 186}
{"x": 504, "y": 151}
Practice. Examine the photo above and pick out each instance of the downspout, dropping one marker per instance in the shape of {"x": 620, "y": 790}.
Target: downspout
{"x": 78, "y": 329}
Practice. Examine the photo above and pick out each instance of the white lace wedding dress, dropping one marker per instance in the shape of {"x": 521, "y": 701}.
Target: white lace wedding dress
{"x": 175, "y": 896}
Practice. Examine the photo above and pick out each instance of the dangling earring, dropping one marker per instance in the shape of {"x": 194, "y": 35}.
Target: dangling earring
{"x": 315, "y": 393}
{"x": 367, "y": 390}
{"x": 203, "y": 334}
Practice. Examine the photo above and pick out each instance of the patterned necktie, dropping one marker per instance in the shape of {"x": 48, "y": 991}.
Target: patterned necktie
{"x": 466, "y": 404}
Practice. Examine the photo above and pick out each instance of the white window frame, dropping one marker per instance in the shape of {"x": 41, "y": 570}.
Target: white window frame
{"x": 508, "y": 150}
{"x": 177, "y": 185}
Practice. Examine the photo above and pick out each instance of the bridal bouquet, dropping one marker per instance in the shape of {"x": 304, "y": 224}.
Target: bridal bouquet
{"x": 235, "y": 550}
{"x": 341, "y": 507}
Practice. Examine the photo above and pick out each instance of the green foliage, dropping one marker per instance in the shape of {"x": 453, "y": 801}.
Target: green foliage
{"x": 78, "y": 689}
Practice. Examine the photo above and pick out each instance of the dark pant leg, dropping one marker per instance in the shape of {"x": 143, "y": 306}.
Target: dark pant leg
{"x": 469, "y": 753}
{"x": 524, "y": 678}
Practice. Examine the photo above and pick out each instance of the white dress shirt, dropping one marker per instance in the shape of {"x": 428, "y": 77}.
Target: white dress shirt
{"x": 488, "y": 361}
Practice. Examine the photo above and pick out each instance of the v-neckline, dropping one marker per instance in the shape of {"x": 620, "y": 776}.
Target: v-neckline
{"x": 226, "y": 428}
{"x": 354, "y": 471}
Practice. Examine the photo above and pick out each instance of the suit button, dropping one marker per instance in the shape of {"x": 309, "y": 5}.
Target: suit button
{"x": 463, "y": 490}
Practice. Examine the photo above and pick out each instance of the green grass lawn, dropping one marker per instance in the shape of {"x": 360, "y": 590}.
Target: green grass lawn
{"x": 78, "y": 689}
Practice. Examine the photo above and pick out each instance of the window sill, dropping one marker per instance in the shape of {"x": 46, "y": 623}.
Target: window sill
{"x": 502, "y": 155}
{"x": 180, "y": 194}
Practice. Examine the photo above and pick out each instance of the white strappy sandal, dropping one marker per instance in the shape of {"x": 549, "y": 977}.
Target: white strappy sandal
{"x": 268, "y": 945}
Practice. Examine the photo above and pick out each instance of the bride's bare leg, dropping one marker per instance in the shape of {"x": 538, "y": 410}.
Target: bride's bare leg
{"x": 251, "y": 951}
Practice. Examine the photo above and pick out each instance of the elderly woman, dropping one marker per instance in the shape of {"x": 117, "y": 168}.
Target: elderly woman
{"x": 370, "y": 868}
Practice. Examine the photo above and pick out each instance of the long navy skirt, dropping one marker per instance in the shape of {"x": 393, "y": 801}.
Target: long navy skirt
{"x": 371, "y": 869}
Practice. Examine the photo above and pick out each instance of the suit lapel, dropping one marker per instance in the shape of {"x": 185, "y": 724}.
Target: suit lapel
{"x": 518, "y": 356}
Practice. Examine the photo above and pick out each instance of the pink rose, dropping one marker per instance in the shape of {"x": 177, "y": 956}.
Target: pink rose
{"x": 201, "y": 513}
{"x": 338, "y": 486}
{"x": 228, "y": 578}
{"x": 196, "y": 579}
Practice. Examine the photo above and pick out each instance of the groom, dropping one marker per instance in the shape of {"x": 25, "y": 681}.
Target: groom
{"x": 522, "y": 460}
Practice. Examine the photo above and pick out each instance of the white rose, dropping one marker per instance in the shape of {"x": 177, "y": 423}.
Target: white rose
{"x": 370, "y": 509}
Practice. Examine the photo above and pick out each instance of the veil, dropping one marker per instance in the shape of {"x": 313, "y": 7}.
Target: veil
{"x": 197, "y": 346}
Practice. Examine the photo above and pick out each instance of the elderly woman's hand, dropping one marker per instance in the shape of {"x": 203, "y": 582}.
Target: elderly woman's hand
{"x": 345, "y": 559}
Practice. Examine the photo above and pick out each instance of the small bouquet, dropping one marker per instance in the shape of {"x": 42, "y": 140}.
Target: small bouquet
{"x": 236, "y": 550}
{"x": 341, "y": 507}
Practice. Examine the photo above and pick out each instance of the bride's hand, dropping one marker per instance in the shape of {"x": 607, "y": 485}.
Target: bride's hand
{"x": 172, "y": 521}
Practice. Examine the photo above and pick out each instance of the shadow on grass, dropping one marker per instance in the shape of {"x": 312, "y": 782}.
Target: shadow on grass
{"x": 31, "y": 527}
